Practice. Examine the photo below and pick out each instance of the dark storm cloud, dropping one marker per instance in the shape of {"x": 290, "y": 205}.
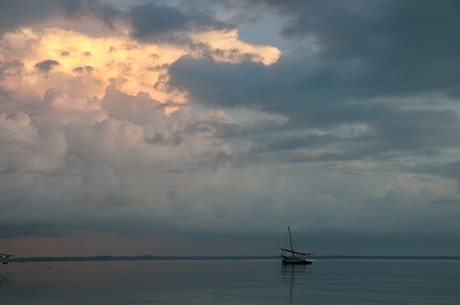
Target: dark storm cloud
{"x": 449, "y": 170}
{"x": 28, "y": 228}
{"x": 273, "y": 89}
{"x": 150, "y": 22}
{"x": 159, "y": 23}
{"x": 46, "y": 65}
{"x": 375, "y": 29}
{"x": 412, "y": 45}
{"x": 368, "y": 243}
{"x": 160, "y": 139}
{"x": 14, "y": 14}
{"x": 85, "y": 69}
{"x": 127, "y": 226}
{"x": 374, "y": 47}
{"x": 371, "y": 56}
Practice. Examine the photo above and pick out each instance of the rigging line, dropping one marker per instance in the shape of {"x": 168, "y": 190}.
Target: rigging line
{"x": 294, "y": 246}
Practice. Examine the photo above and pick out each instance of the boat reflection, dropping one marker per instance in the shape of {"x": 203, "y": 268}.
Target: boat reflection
{"x": 295, "y": 274}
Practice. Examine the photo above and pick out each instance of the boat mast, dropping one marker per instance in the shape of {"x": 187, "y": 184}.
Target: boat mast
{"x": 290, "y": 241}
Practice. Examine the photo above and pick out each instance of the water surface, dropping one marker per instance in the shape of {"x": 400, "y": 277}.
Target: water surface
{"x": 263, "y": 281}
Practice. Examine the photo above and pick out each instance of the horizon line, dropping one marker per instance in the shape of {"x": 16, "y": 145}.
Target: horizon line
{"x": 213, "y": 257}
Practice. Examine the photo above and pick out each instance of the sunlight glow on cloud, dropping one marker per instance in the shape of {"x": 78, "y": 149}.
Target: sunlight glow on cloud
{"x": 86, "y": 65}
{"x": 226, "y": 47}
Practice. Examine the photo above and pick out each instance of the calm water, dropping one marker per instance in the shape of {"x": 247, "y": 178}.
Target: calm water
{"x": 203, "y": 282}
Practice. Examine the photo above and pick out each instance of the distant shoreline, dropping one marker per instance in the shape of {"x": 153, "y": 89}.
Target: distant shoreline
{"x": 178, "y": 258}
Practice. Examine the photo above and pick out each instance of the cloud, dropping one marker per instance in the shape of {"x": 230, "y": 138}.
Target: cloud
{"x": 145, "y": 119}
{"x": 10, "y": 73}
{"x": 106, "y": 174}
{"x": 350, "y": 84}
{"x": 371, "y": 126}
{"x": 168, "y": 24}
{"x": 14, "y": 15}
{"x": 408, "y": 47}
{"x": 113, "y": 60}
{"x": 46, "y": 65}
{"x": 85, "y": 69}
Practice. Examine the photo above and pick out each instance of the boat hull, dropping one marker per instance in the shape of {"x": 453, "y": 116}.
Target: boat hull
{"x": 296, "y": 260}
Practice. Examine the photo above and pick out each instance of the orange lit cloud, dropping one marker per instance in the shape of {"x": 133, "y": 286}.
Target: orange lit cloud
{"x": 86, "y": 65}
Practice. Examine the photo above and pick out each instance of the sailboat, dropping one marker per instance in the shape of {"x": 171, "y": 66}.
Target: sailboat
{"x": 4, "y": 258}
{"x": 292, "y": 256}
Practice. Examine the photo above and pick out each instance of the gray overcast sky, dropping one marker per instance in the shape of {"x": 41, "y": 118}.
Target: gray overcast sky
{"x": 208, "y": 127}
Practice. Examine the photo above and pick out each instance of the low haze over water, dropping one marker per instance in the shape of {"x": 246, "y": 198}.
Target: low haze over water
{"x": 232, "y": 281}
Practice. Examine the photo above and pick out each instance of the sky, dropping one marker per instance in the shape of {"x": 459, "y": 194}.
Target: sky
{"x": 207, "y": 127}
